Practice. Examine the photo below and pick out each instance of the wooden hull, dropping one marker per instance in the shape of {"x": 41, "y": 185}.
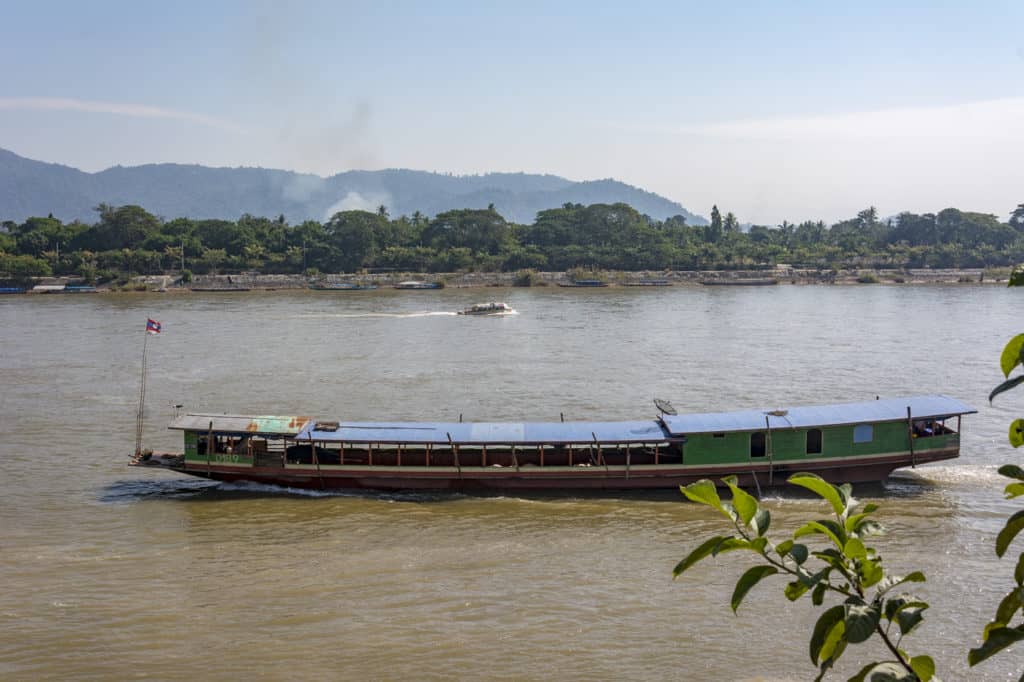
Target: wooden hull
{"x": 759, "y": 474}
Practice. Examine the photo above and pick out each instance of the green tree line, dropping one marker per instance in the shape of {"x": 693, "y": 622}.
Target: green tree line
{"x": 130, "y": 240}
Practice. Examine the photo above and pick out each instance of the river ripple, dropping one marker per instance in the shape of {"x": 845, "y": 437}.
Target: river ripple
{"x": 114, "y": 573}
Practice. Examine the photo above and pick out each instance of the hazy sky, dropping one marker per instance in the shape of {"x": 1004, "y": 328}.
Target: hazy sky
{"x": 771, "y": 110}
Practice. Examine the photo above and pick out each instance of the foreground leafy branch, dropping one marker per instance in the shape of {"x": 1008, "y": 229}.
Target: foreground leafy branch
{"x": 1000, "y": 631}
{"x": 845, "y": 568}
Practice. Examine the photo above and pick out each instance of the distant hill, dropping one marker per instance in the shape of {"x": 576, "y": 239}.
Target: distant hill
{"x": 33, "y": 188}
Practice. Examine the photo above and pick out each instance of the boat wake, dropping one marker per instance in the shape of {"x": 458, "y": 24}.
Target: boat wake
{"x": 351, "y": 316}
{"x": 126, "y": 492}
{"x": 251, "y": 488}
{"x": 951, "y": 475}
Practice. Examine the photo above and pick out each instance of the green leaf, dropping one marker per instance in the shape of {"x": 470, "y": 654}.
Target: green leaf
{"x": 826, "y": 527}
{"x": 813, "y": 579}
{"x": 752, "y": 577}
{"x": 742, "y": 501}
{"x": 730, "y": 544}
{"x": 832, "y": 557}
{"x": 830, "y": 619}
{"x": 894, "y": 580}
{"x": 1009, "y": 605}
{"x": 799, "y": 553}
{"x": 852, "y": 522}
{"x": 1011, "y": 355}
{"x": 910, "y": 615}
{"x": 696, "y": 555}
{"x": 1014, "y": 490}
{"x": 868, "y": 528}
{"x": 855, "y": 549}
{"x": 827, "y": 663}
{"x": 871, "y": 572}
{"x": 861, "y": 620}
{"x": 1018, "y": 573}
{"x": 1012, "y": 471}
{"x": 1005, "y": 386}
{"x": 818, "y": 596}
{"x": 887, "y": 671}
{"x": 1017, "y": 433}
{"x": 1013, "y": 526}
{"x": 862, "y": 675}
{"x": 834, "y": 644}
{"x": 795, "y": 590}
{"x": 704, "y": 492}
{"x": 892, "y": 606}
{"x": 845, "y": 491}
{"x": 783, "y": 547}
{"x": 822, "y": 488}
{"x": 762, "y": 520}
{"x": 996, "y": 639}
{"x": 924, "y": 667}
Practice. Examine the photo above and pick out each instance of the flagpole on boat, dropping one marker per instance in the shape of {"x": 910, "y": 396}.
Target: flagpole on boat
{"x": 152, "y": 327}
{"x": 142, "y": 397}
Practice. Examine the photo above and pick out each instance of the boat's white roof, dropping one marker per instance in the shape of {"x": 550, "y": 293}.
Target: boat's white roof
{"x": 890, "y": 409}
{"x": 305, "y": 428}
{"x": 234, "y": 423}
{"x": 488, "y": 433}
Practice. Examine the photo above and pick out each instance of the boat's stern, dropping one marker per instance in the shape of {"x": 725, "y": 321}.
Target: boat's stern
{"x": 173, "y": 461}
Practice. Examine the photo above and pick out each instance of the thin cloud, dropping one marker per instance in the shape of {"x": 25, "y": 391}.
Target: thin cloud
{"x": 992, "y": 119}
{"x": 117, "y": 108}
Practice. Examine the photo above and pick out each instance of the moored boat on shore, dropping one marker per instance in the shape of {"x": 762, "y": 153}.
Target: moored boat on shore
{"x": 740, "y": 282}
{"x": 342, "y": 286}
{"x": 853, "y": 442}
{"x": 416, "y": 284}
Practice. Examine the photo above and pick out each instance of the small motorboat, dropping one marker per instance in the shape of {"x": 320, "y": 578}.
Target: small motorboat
{"x": 492, "y": 308}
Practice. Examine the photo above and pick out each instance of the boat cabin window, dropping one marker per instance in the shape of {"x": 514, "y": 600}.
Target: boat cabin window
{"x": 863, "y": 433}
{"x": 814, "y": 441}
{"x": 718, "y": 435}
{"x": 924, "y": 428}
{"x": 757, "y": 444}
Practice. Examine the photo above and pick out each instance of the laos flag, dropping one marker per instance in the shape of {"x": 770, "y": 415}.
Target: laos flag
{"x": 152, "y": 326}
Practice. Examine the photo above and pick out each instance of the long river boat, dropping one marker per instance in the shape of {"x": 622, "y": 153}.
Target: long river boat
{"x": 854, "y": 442}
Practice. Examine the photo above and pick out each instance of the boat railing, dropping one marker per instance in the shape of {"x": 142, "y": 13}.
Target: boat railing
{"x": 462, "y": 456}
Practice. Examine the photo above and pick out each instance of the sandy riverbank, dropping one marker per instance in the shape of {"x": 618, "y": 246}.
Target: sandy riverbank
{"x": 170, "y": 283}
{"x": 613, "y": 278}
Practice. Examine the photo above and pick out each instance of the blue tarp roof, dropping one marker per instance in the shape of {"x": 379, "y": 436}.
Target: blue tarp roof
{"x": 531, "y": 433}
{"x": 486, "y": 433}
{"x": 891, "y": 409}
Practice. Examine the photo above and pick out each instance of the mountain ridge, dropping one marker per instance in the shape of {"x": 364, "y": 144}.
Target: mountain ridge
{"x": 30, "y": 188}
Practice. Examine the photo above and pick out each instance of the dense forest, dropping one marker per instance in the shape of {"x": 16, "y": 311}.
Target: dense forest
{"x": 129, "y": 240}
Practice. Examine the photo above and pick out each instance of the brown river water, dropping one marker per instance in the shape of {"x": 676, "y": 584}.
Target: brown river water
{"x": 110, "y": 572}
